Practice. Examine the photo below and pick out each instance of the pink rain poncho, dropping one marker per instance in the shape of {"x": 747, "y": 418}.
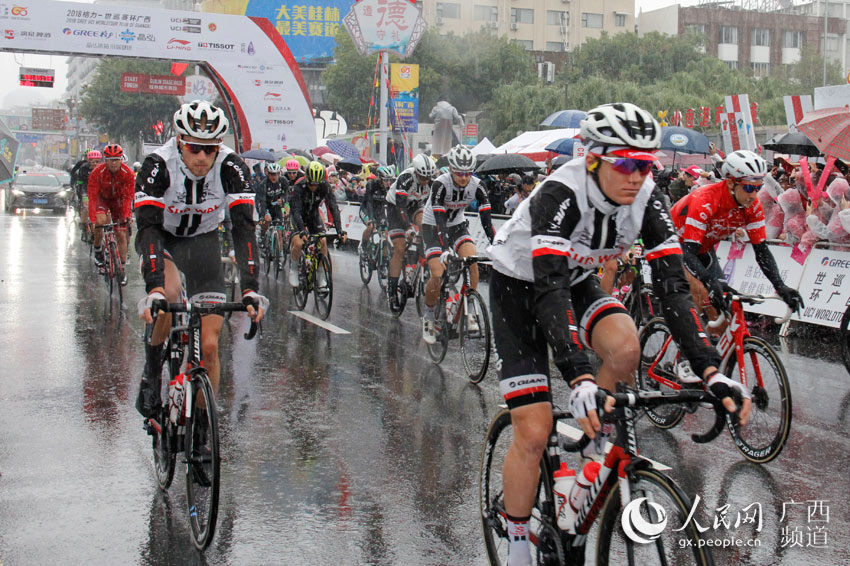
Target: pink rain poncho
{"x": 773, "y": 215}
{"x": 795, "y": 215}
{"x": 829, "y": 222}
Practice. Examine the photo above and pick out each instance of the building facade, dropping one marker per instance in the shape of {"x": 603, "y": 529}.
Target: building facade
{"x": 762, "y": 41}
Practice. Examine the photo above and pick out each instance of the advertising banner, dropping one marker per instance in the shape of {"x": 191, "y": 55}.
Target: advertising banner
{"x": 153, "y": 84}
{"x": 740, "y": 105}
{"x": 246, "y": 57}
{"x": 404, "y": 92}
{"x": 795, "y": 108}
{"x": 824, "y": 287}
{"x": 391, "y": 25}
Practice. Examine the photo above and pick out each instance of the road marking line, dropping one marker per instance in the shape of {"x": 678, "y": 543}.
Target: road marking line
{"x": 319, "y": 322}
{"x": 574, "y": 433}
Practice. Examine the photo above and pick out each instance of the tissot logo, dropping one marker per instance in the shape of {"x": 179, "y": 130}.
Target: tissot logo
{"x": 181, "y": 44}
{"x": 219, "y": 46}
{"x": 87, "y": 33}
{"x": 271, "y": 122}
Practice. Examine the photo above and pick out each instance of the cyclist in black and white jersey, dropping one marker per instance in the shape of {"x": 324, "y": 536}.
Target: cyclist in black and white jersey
{"x": 372, "y": 208}
{"x": 543, "y": 294}
{"x": 444, "y": 228}
{"x": 406, "y": 199}
{"x": 182, "y": 192}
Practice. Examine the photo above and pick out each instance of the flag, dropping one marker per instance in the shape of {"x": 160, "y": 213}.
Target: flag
{"x": 795, "y": 108}
{"x": 178, "y": 68}
{"x": 739, "y": 104}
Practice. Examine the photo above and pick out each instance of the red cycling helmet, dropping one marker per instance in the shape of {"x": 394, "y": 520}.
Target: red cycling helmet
{"x": 113, "y": 151}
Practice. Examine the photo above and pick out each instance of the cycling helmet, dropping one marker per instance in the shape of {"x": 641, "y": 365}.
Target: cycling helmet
{"x": 113, "y": 151}
{"x": 515, "y": 178}
{"x": 444, "y": 169}
{"x": 292, "y": 166}
{"x": 621, "y": 124}
{"x": 201, "y": 120}
{"x": 384, "y": 173}
{"x": 94, "y": 154}
{"x": 424, "y": 166}
{"x": 273, "y": 168}
{"x": 744, "y": 165}
{"x": 137, "y": 166}
{"x": 461, "y": 159}
{"x": 315, "y": 172}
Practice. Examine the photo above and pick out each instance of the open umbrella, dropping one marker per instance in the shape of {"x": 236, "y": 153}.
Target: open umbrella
{"x": 343, "y": 148}
{"x": 565, "y": 119}
{"x": 795, "y": 143}
{"x": 351, "y": 164}
{"x": 507, "y": 163}
{"x": 261, "y": 154}
{"x": 564, "y": 146}
{"x": 8, "y": 152}
{"x": 683, "y": 140}
{"x": 321, "y": 150}
{"x": 560, "y": 160}
{"x": 829, "y": 129}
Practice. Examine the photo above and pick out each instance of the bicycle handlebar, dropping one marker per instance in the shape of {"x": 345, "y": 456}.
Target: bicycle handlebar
{"x": 752, "y": 300}
{"x": 204, "y": 308}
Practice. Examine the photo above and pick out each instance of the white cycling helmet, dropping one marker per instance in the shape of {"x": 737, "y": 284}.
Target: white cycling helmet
{"x": 424, "y": 166}
{"x": 273, "y": 168}
{"x": 202, "y": 120}
{"x": 744, "y": 165}
{"x": 621, "y": 124}
{"x": 461, "y": 159}
{"x": 137, "y": 166}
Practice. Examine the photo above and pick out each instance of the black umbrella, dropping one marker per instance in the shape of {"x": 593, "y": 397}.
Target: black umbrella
{"x": 560, "y": 160}
{"x": 794, "y": 143}
{"x": 8, "y": 152}
{"x": 261, "y": 154}
{"x": 507, "y": 163}
{"x": 351, "y": 164}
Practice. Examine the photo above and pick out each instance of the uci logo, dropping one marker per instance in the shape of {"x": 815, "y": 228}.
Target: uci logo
{"x": 639, "y": 529}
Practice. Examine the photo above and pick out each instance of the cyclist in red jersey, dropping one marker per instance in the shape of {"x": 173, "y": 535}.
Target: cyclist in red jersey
{"x": 111, "y": 191}
{"x": 713, "y": 212}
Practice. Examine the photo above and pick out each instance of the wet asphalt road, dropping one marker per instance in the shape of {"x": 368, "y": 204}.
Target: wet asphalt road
{"x": 338, "y": 449}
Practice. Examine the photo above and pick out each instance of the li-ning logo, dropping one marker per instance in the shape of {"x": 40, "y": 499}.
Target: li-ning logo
{"x": 639, "y": 529}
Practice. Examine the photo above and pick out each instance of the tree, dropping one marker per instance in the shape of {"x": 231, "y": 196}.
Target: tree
{"x": 349, "y": 80}
{"x": 122, "y": 114}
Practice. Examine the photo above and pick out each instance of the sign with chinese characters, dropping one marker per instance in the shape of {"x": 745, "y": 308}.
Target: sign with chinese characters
{"x": 36, "y": 77}
{"x": 245, "y": 57}
{"x": 825, "y": 287}
{"x": 308, "y": 27}
{"x": 199, "y": 87}
{"x": 391, "y": 25}
{"x": 404, "y": 92}
{"x": 153, "y": 84}
{"x": 48, "y": 119}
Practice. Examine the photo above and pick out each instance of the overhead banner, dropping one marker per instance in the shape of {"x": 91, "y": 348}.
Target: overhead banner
{"x": 391, "y": 25}
{"x": 404, "y": 89}
{"x": 246, "y": 57}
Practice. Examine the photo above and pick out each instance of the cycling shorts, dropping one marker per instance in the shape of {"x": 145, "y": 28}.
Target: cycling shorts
{"x": 396, "y": 223}
{"x": 457, "y": 236}
{"x": 275, "y": 212}
{"x": 520, "y": 341}
{"x": 378, "y": 214}
{"x": 313, "y": 224}
{"x": 199, "y": 259}
{"x": 114, "y": 207}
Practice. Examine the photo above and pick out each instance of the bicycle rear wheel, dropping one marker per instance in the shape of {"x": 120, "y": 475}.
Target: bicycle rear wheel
{"x": 203, "y": 464}
{"x": 765, "y": 435}
{"x": 303, "y": 288}
{"x": 475, "y": 342}
{"x": 649, "y": 488}
{"x": 324, "y": 295}
{"x": 655, "y": 350}
{"x": 543, "y": 536}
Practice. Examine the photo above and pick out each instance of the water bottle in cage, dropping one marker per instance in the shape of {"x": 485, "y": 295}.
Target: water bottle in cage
{"x": 175, "y": 399}
{"x": 452, "y": 304}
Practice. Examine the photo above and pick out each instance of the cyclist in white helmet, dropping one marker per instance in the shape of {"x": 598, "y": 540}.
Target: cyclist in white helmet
{"x": 182, "y": 192}
{"x": 544, "y": 294}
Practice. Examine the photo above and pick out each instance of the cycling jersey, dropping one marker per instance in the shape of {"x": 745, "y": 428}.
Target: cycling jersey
{"x": 80, "y": 177}
{"x": 170, "y": 199}
{"x": 373, "y": 199}
{"x": 268, "y": 194}
{"x": 111, "y": 191}
{"x": 565, "y": 230}
{"x": 407, "y": 194}
{"x": 710, "y": 214}
{"x": 446, "y": 203}
{"x": 304, "y": 206}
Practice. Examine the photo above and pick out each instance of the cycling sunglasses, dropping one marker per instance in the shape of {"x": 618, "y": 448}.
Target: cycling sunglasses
{"x": 462, "y": 173}
{"x": 627, "y": 166}
{"x": 750, "y": 188}
{"x": 197, "y": 148}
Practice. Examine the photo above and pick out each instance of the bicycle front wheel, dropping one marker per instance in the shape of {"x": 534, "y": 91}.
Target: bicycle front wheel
{"x": 270, "y": 242}
{"x": 323, "y": 292}
{"x": 543, "y": 536}
{"x": 164, "y": 449}
{"x": 383, "y": 265}
{"x": 365, "y": 264}
{"x": 419, "y": 289}
{"x": 765, "y": 435}
{"x": 656, "y": 500}
{"x": 303, "y": 288}
{"x": 475, "y": 337}
{"x": 203, "y": 464}
{"x": 658, "y": 356}
{"x": 118, "y": 271}
{"x": 438, "y": 349}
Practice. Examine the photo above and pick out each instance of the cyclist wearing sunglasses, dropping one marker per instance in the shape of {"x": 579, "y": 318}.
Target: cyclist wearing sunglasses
{"x": 444, "y": 228}
{"x": 543, "y": 293}
{"x": 714, "y": 212}
{"x": 270, "y": 199}
{"x": 310, "y": 192}
{"x": 181, "y": 195}
{"x": 372, "y": 209}
{"x": 406, "y": 199}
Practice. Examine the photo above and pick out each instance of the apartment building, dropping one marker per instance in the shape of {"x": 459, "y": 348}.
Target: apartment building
{"x": 837, "y": 44}
{"x": 756, "y": 39}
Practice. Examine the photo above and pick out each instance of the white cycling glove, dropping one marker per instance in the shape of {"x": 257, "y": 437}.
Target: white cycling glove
{"x": 444, "y": 257}
{"x": 146, "y": 302}
{"x": 254, "y": 299}
{"x": 583, "y": 399}
{"x": 721, "y": 386}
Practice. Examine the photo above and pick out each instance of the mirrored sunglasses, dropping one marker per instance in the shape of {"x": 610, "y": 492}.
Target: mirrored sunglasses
{"x": 462, "y": 173}
{"x": 627, "y": 166}
{"x": 199, "y": 147}
{"x": 750, "y": 188}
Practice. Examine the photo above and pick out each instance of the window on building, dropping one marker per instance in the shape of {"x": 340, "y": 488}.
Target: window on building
{"x": 522, "y": 15}
{"x": 729, "y": 34}
{"x": 761, "y": 69}
{"x": 526, "y": 44}
{"x": 589, "y": 20}
{"x": 557, "y": 18}
{"x": 486, "y": 13}
{"x": 555, "y": 46}
{"x": 620, "y": 20}
{"x": 793, "y": 39}
{"x": 448, "y": 9}
{"x": 731, "y": 64}
{"x": 696, "y": 29}
{"x": 761, "y": 37}
{"x": 832, "y": 43}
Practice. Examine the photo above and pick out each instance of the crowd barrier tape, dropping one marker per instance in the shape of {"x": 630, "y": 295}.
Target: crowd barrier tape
{"x": 820, "y": 280}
